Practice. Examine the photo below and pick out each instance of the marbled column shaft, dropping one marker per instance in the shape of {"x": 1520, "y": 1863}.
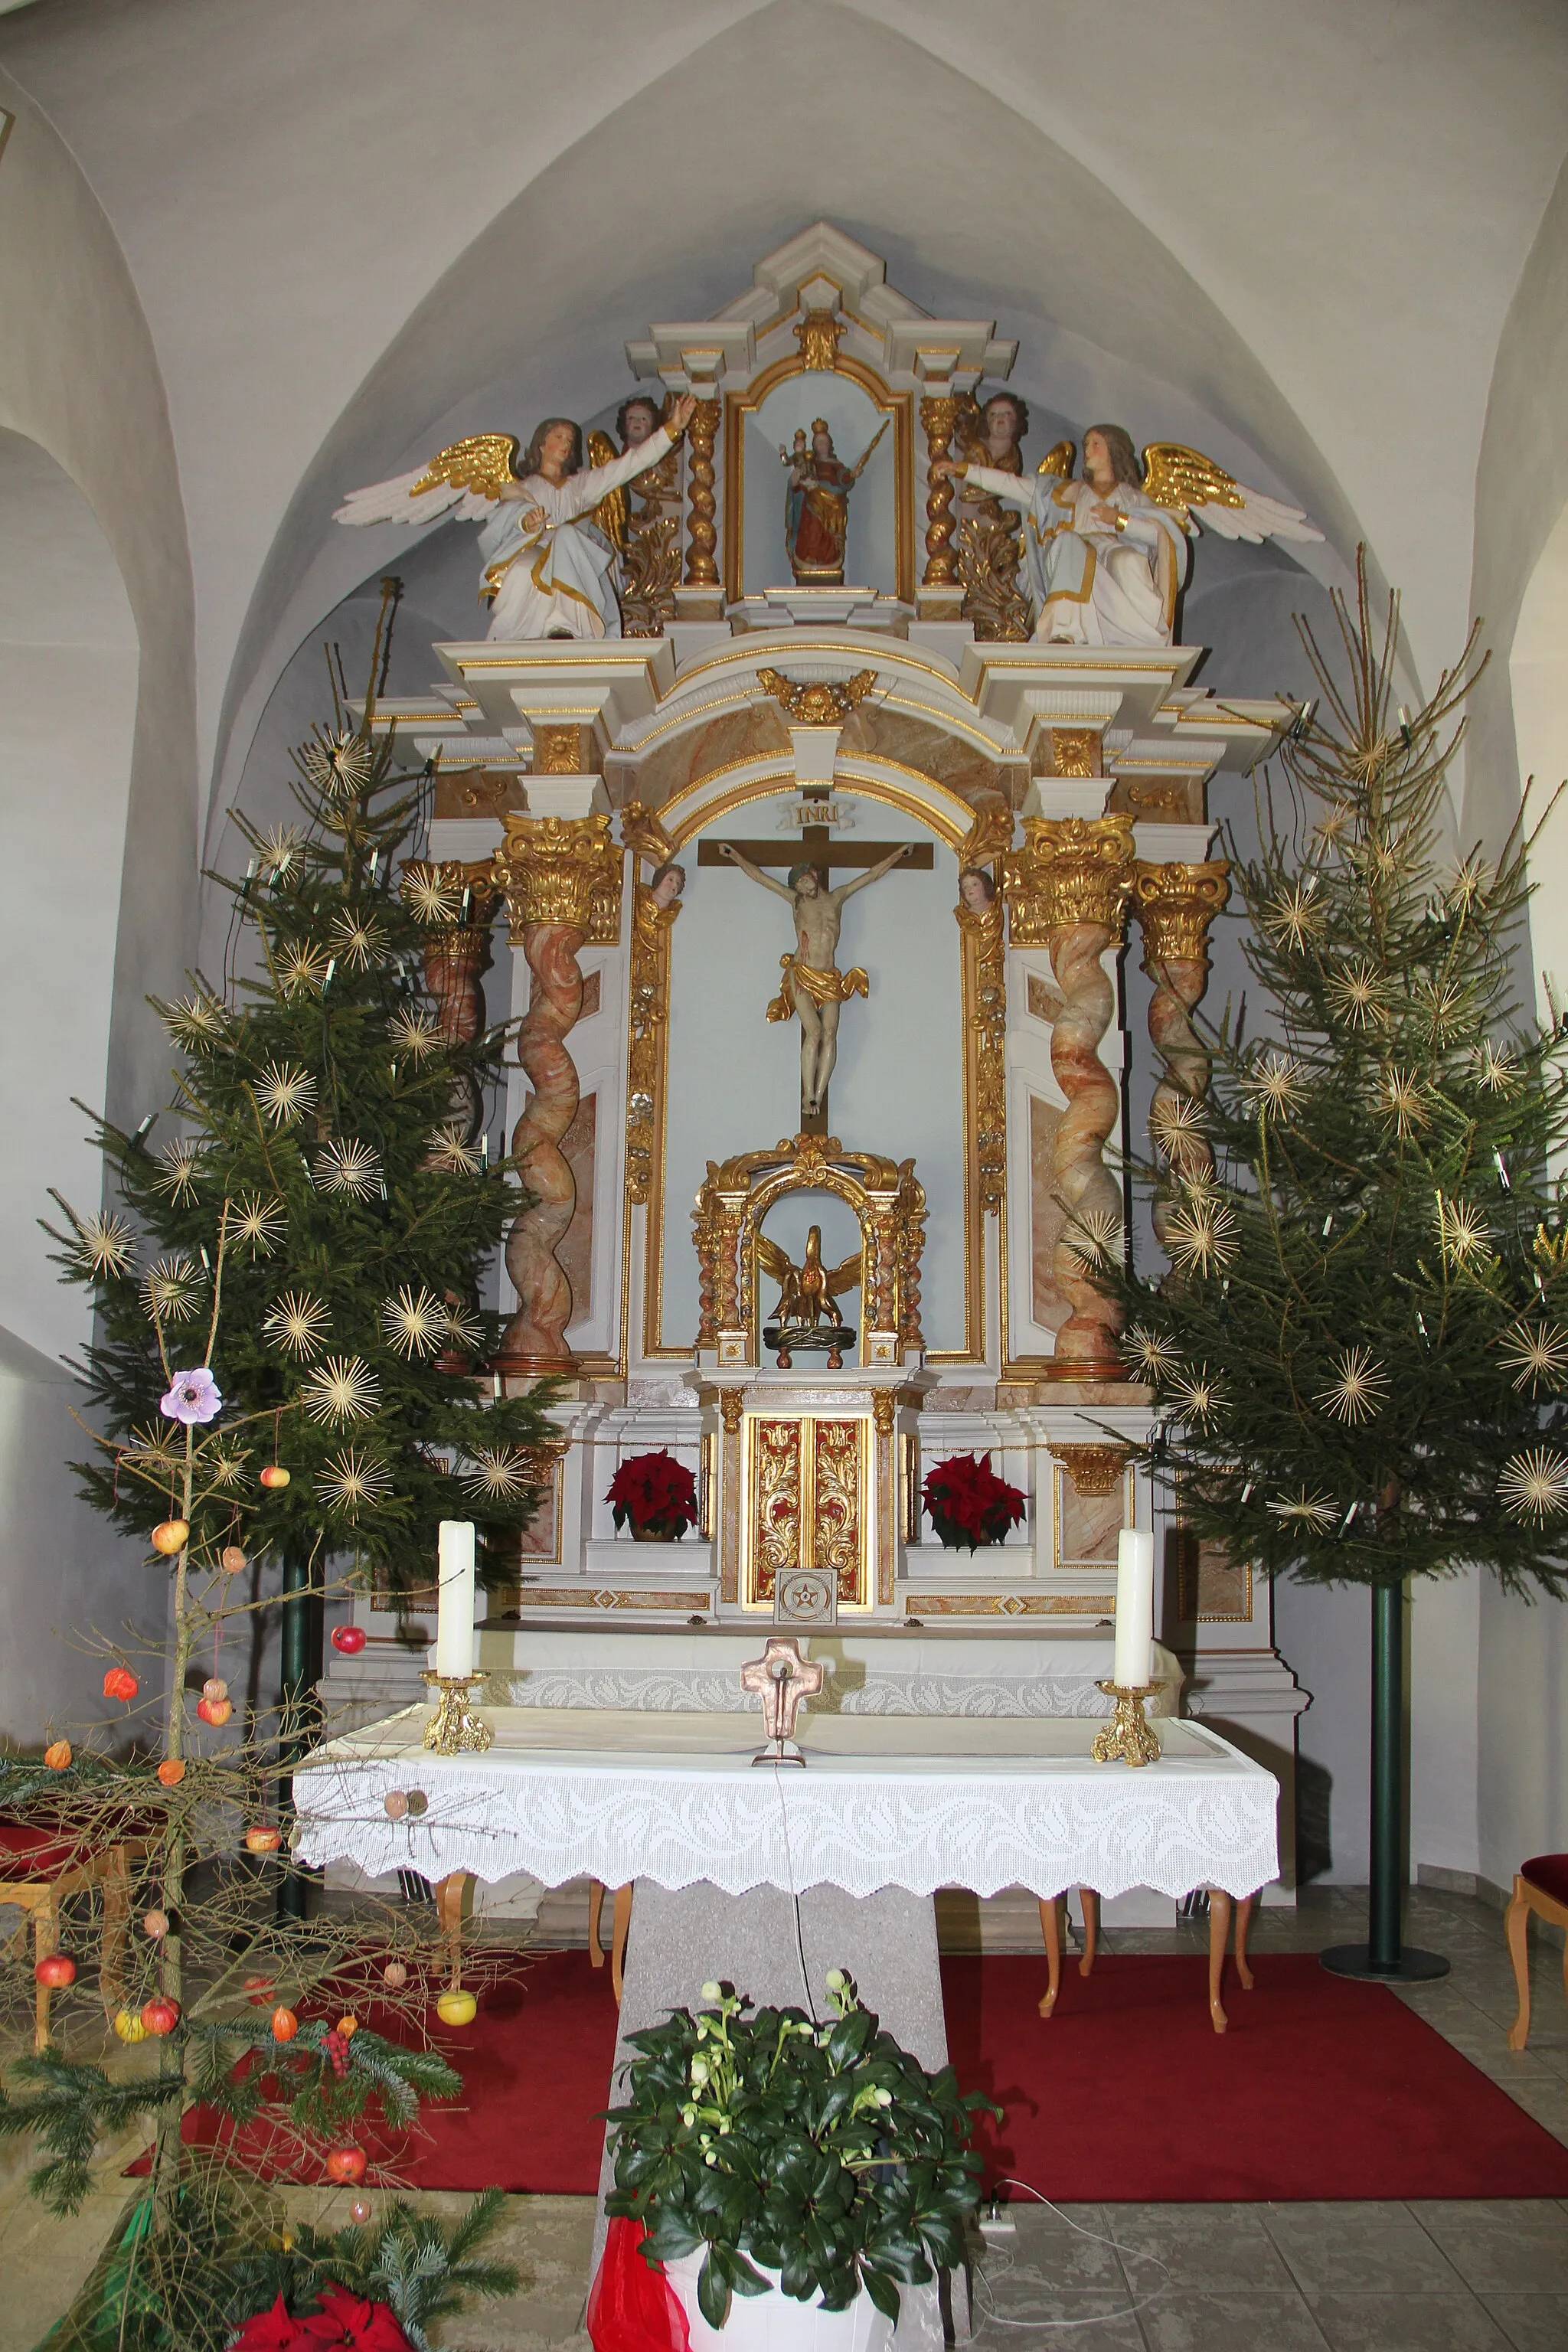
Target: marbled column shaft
{"x": 1176, "y": 904}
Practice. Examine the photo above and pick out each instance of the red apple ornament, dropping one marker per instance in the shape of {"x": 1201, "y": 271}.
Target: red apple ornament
{"x": 347, "y": 2165}
{"x": 161, "y": 2015}
{"x": 57, "y": 1969}
{"x": 349, "y": 1639}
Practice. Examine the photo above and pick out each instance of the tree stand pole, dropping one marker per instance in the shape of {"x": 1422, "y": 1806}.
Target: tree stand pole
{"x": 1383, "y": 1955}
{"x": 301, "y": 1668}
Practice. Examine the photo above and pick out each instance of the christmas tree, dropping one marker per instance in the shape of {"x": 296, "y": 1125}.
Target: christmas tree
{"x": 1361, "y": 1343}
{"x": 286, "y": 1366}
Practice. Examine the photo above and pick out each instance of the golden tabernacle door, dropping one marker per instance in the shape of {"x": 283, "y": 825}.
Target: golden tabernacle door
{"x": 807, "y": 1487}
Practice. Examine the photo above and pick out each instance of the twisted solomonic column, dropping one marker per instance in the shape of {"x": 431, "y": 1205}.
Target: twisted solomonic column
{"x": 561, "y": 877}
{"x": 1176, "y": 904}
{"x": 1066, "y": 891}
{"x": 456, "y": 956}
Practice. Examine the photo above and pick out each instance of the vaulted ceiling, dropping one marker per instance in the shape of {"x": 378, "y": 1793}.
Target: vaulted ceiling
{"x": 1295, "y": 229}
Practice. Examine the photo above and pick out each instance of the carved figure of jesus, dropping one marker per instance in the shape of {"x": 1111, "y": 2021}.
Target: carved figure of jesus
{"x": 811, "y": 984}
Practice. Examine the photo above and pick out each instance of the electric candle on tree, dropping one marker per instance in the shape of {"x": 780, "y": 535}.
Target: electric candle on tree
{"x": 1135, "y": 1610}
{"x": 455, "y": 1599}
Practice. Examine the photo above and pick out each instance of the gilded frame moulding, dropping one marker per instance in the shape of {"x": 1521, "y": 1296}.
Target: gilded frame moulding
{"x": 647, "y": 1023}
{"x": 899, "y": 405}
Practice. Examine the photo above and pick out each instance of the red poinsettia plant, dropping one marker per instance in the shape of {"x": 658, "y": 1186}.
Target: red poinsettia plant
{"x": 656, "y": 1494}
{"x": 968, "y": 1504}
{"x": 340, "y": 2319}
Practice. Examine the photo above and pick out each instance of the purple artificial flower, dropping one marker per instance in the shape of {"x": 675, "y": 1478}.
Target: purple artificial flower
{"x": 192, "y": 1396}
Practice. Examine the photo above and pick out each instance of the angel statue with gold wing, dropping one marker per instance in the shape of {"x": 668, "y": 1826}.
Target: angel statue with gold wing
{"x": 1107, "y": 554}
{"x": 550, "y": 560}
{"x": 808, "y": 1315}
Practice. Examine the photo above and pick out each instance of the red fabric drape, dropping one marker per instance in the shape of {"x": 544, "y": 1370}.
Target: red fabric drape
{"x": 632, "y": 2307}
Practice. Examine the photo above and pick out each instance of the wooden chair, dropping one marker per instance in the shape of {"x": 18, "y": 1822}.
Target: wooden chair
{"x": 39, "y": 1867}
{"x": 1540, "y": 1885}
{"x": 1220, "y": 1909}
{"x": 620, "y": 1920}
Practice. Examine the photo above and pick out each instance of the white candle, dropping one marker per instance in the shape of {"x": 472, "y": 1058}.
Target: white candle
{"x": 455, "y": 1597}
{"x": 1135, "y": 1610}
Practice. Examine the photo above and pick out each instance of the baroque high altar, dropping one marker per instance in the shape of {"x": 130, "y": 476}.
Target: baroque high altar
{"x": 824, "y": 760}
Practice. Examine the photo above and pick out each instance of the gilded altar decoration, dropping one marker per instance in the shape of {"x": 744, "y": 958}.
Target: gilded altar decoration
{"x": 939, "y": 416}
{"x": 806, "y": 1502}
{"x": 734, "y": 1199}
{"x": 1095, "y": 1470}
{"x": 655, "y": 906}
{"x": 990, "y": 536}
{"x": 816, "y": 503}
{"x": 817, "y": 701}
{"x": 819, "y": 334}
{"x": 979, "y": 915}
{"x": 549, "y": 568}
{"x": 646, "y": 535}
{"x": 808, "y": 1315}
{"x": 1176, "y": 904}
{"x": 702, "y": 530}
{"x": 1075, "y": 750}
{"x": 1068, "y": 889}
{"x": 557, "y": 869}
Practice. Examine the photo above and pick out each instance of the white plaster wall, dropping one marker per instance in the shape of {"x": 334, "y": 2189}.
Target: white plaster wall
{"x": 69, "y": 662}
{"x": 96, "y": 668}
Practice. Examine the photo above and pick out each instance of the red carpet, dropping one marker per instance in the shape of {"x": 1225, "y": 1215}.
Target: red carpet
{"x": 1321, "y": 2089}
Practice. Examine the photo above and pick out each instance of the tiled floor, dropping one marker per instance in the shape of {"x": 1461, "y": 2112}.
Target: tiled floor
{"x": 1445, "y": 2277}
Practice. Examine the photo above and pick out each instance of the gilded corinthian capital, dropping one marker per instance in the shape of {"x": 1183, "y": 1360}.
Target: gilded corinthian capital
{"x": 1176, "y": 904}
{"x": 556, "y": 869}
{"x": 1070, "y": 870}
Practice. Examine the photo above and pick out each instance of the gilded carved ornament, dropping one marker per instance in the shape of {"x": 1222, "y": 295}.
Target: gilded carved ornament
{"x": 816, "y": 702}
{"x": 563, "y": 750}
{"x": 1075, "y": 750}
{"x": 1095, "y": 1470}
{"x": 980, "y": 927}
{"x": 566, "y": 870}
{"x": 819, "y": 334}
{"x": 1071, "y": 871}
{"x": 736, "y": 1195}
{"x": 644, "y": 836}
{"x": 1174, "y": 905}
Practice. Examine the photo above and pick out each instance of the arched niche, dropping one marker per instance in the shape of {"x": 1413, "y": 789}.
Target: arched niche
{"x": 1538, "y": 680}
{"x": 69, "y": 675}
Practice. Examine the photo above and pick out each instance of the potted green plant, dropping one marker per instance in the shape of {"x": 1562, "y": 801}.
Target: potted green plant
{"x": 656, "y": 1496}
{"x": 806, "y": 2167}
{"x": 968, "y": 1504}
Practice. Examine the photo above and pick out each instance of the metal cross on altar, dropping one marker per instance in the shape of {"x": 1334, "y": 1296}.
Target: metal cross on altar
{"x": 814, "y": 845}
{"x": 782, "y": 1678}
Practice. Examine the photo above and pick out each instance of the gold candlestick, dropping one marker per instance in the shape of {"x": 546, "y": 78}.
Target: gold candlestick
{"x": 455, "y": 1729}
{"x": 1127, "y": 1735}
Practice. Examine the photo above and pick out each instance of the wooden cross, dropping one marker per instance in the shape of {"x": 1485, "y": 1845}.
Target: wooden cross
{"x": 781, "y": 1678}
{"x": 815, "y": 845}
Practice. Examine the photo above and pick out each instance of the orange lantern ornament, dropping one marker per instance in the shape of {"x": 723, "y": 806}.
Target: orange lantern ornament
{"x": 121, "y": 1683}
{"x": 172, "y": 1771}
{"x": 394, "y": 1976}
{"x": 285, "y": 2025}
{"x": 155, "y": 1924}
{"x": 58, "y": 1755}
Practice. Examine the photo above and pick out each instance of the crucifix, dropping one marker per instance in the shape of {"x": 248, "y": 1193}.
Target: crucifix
{"x": 781, "y": 1678}
{"x": 811, "y": 986}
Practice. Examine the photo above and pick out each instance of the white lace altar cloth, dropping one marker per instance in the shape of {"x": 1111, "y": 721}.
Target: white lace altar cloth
{"x": 1012, "y": 1801}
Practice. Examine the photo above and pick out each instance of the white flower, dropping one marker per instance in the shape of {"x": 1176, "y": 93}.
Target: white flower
{"x": 710, "y": 1990}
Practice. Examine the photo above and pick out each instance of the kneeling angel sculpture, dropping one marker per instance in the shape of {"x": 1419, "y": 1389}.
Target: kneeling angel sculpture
{"x": 550, "y": 554}
{"x": 1107, "y": 554}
